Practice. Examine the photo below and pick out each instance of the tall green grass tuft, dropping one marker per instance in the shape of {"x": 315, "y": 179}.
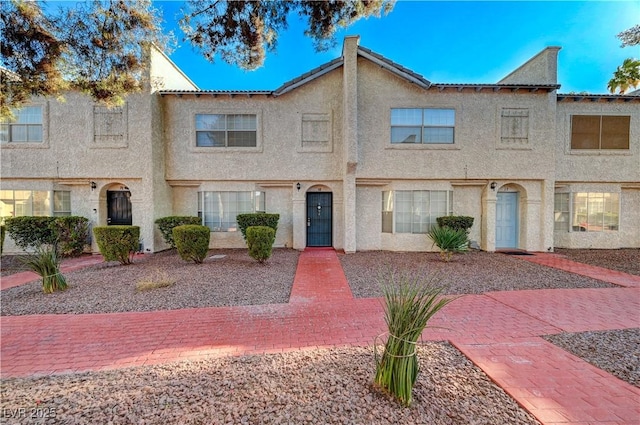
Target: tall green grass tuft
{"x": 410, "y": 301}
{"x": 44, "y": 262}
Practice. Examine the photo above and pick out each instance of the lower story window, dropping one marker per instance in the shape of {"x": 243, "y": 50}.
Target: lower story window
{"x": 218, "y": 210}
{"x": 44, "y": 203}
{"x": 414, "y": 211}
{"x": 587, "y": 212}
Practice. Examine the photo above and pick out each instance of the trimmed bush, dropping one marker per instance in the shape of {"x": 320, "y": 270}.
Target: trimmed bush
{"x": 260, "y": 242}
{"x": 449, "y": 241}
{"x": 456, "y": 222}
{"x": 31, "y": 232}
{"x": 2, "y": 232}
{"x": 166, "y": 225}
{"x": 192, "y": 241}
{"x": 117, "y": 243}
{"x": 71, "y": 233}
{"x": 257, "y": 219}
{"x": 46, "y": 265}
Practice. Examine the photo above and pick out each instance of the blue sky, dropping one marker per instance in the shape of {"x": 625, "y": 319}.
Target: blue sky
{"x": 447, "y": 42}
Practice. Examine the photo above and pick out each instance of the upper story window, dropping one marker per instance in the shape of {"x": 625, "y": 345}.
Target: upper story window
{"x": 600, "y": 132}
{"x": 109, "y": 124}
{"x": 226, "y": 130}
{"x": 514, "y": 126}
{"x": 26, "y": 127}
{"x": 422, "y": 126}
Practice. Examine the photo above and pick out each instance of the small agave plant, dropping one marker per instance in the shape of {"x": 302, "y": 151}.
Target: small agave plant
{"x": 409, "y": 304}
{"x": 449, "y": 241}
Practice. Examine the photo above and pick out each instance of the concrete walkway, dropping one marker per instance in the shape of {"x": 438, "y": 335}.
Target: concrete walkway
{"x": 498, "y": 331}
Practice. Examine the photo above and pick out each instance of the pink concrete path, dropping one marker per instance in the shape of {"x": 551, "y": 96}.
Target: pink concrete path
{"x": 499, "y": 331}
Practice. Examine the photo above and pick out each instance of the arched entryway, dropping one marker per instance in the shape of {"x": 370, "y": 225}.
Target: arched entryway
{"x": 508, "y": 216}
{"x": 319, "y": 208}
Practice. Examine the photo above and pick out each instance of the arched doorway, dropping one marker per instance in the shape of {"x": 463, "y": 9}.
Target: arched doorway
{"x": 507, "y": 226}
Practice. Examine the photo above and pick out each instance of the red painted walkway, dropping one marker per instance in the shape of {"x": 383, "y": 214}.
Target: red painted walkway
{"x": 499, "y": 331}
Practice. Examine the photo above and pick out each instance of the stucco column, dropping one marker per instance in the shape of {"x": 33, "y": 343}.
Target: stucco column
{"x": 350, "y": 132}
{"x": 299, "y": 222}
{"x": 489, "y": 199}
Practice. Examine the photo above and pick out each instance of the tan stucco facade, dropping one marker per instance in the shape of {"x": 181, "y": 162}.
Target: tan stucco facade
{"x": 329, "y": 132}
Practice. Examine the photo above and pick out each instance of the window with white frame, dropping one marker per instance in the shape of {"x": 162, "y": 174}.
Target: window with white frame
{"x": 587, "y": 212}
{"x": 414, "y": 211}
{"x": 20, "y": 203}
{"x": 24, "y": 127}
{"x": 226, "y": 130}
{"x": 597, "y": 132}
{"x": 218, "y": 210}
{"x": 422, "y": 126}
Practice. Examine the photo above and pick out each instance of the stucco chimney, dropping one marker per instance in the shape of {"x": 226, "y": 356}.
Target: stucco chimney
{"x": 540, "y": 69}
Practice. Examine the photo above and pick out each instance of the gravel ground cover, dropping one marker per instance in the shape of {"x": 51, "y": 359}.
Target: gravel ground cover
{"x": 475, "y": 272}
{"x": 328, "y": 386}
{"x": 235, "y": 279}
{"x": 625, "y": 260}
{"x": 617, "y": 351}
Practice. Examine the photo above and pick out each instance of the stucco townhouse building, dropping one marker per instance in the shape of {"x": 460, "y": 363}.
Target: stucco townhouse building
{"x": 357, "y": 154}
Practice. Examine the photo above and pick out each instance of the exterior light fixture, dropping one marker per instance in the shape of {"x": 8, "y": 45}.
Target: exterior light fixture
{"x": 493, "y": 185}
{"x": 93, "y": 185}
{"x": 298, "y": 186}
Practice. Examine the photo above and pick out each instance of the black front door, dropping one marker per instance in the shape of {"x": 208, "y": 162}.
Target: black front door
{"x": 319, "y": 213}
{"x": 119, "y": 207}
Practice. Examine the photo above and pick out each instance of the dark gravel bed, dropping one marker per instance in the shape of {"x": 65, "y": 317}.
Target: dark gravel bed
{"x": 625, "y": 260}
{"x": 616, "y": 351}
{"x": 236, "y": 279}
{"x": 322, "y": 386}
{"x": 475, "y": 272}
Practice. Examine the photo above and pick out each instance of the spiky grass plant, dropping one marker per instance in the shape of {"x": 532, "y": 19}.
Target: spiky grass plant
{"x": 44, "y": 262}
{"x": 410, "y": 301}
{"x": 449, "y": 240}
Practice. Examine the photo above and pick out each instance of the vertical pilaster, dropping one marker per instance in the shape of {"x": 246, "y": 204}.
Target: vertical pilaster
{"x": 350, "y": 141}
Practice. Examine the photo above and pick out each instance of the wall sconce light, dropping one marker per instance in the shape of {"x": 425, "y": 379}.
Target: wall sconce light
{"x": 298, "y": 186}
{"x": 93, "y": 185}
{"x": 493, "y": 185}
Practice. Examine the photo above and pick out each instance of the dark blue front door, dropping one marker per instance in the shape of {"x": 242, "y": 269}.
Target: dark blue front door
{"x": 319, "y": 216}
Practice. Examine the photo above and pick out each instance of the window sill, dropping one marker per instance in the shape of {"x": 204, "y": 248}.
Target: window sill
{"x": 223, "y": 150}
{"x": 604, "y": 152}
{"x": 24, "y": 145}
{"x": 434, "y": 146}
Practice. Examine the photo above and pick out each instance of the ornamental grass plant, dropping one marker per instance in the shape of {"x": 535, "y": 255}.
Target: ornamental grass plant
{"x": 449, "y": 241}
{"x": 44, "y": 262}
{"x": 410, "y": 301}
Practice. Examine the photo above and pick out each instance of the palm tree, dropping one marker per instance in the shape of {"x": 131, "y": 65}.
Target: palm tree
{"x": 626, "y": 76}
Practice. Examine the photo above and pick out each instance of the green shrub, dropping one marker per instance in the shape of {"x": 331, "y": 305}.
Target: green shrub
{"x": 46, "y": 265}
{"x": 449, "y": 241}
{"x": 2, "y": 233}
{"x": 456, "y": 222}
{"x": 31, "y": 232}
{"x": 117, "y": 243}
{"x": 166, "y": 225}
{"x": 71, "y": 233}
{"x": 192, "y": 241}
{"x": 410, "y": 301}
{"x": 260, "y": 242}
{"x": 257, "y": 219}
